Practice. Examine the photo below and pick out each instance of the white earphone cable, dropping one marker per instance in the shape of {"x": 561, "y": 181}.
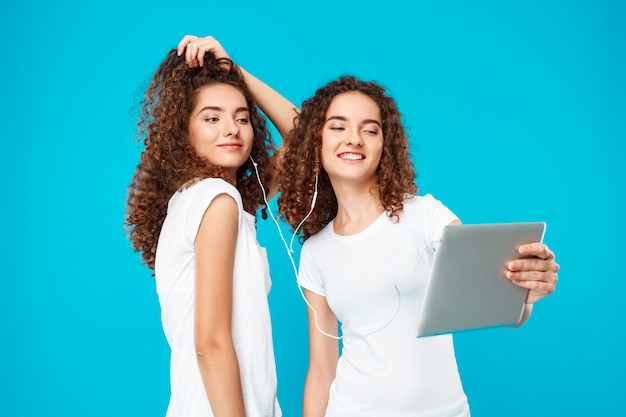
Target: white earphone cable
{"x": 295, "y": 269}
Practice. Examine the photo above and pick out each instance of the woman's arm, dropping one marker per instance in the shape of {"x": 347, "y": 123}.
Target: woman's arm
{"x": 214, "y": 259}
{"x": 323, "y": 355}
{"x": 279, "y": 110}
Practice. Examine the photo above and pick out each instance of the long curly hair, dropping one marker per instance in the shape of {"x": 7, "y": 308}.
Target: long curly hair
{"x": 169, "y": 162}
{"x": 301, "y": 160}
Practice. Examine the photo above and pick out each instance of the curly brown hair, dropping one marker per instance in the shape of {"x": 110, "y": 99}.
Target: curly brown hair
{"x": 395, "y": 174}
{"x": 168, "y": 162}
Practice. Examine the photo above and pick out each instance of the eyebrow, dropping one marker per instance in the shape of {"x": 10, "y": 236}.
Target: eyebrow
{"x": 220, "y": 109}
{"x": 344, "y": 119}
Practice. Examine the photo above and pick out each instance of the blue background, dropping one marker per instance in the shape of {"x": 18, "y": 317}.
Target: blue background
{"x": 516, "y": 112}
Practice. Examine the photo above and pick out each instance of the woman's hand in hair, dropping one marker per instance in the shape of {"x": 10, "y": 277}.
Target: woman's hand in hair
{"x": 195, "y": 48}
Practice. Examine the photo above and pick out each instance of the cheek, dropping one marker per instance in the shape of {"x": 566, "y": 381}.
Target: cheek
{"x": 326, "y": 155}
{"x": 378, "y": 148}
{"x": 196, "y": 134}
{"x": 323, "y": 162}
{"x": 247, "y": 134}
{"x": 329, "y": 144}
{"x": 248, "y": 130}
{"x": 380, "y": 151}
{"x": 193, "y": 141}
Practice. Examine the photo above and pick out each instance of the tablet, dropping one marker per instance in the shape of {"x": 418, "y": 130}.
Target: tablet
{"x": 467, "y": 288}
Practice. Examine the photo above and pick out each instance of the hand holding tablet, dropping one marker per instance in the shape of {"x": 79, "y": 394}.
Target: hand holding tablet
{"x": 467, "y": 289}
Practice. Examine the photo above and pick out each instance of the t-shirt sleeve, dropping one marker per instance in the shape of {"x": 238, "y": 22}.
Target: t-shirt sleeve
{"x": 436, "y": 216}
{"x": 309, "y": 276}
{"x": 426, "y": 217}
{"x": 201, "y": 195}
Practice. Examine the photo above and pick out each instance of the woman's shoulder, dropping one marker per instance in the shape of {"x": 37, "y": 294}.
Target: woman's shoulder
{"x": 200, "y": 192}
{"x": 420, "y": 201}
{"x": 213, "y": 187}
{"x": 319, "y": 240}
{"x": 217, "y": 184}
{"x": 424, "y": 207}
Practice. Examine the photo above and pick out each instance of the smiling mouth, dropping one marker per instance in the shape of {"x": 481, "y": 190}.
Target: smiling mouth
{"x": 351, "y": 156}
{"x": 230, "y": 146}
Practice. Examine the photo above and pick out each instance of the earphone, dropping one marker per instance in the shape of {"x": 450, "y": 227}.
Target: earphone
{"x": 289, "y": 249}
{"x": 297, "y": 229}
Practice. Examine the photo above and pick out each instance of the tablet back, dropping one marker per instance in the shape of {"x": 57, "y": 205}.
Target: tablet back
{"x": 467, "y": 288}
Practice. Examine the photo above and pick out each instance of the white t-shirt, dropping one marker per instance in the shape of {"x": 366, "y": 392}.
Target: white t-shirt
{"x": 251, "y": 327}
{"x": 374, "y": 286}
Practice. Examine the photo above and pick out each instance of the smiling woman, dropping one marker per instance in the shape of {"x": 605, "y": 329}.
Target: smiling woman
{"x": 352, "y": 139}
{"x": 219, "y": 128}
{"x": 366, "y": 258}
{"x": 191, "y": 206}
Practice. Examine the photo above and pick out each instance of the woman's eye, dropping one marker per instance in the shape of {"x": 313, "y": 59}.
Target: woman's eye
{"x": 211, "y": 119}
{"x": 243, "y": 120}
{"x": 371, "y": 132}
{"x": 337, "y": 128}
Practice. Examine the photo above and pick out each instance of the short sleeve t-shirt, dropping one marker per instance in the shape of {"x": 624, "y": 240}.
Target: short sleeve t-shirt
{"x": 251, "y": 326}
{"x": 374, "y": 282}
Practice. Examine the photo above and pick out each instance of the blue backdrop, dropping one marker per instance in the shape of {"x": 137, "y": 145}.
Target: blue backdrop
{"x": 516, "y": 112}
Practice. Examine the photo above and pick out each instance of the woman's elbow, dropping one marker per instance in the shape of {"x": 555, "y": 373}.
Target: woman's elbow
{"x": 213, "y": 347}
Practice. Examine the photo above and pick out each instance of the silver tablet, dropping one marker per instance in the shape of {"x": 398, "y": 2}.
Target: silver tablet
{"x": 467, "y": 288}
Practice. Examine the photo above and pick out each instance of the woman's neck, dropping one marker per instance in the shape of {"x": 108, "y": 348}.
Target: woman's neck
{"x": 357, "y": 208}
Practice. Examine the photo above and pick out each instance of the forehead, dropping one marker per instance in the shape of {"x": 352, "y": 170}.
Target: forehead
{"x": 354, "y": 104}
{"x": 220, "y": 95}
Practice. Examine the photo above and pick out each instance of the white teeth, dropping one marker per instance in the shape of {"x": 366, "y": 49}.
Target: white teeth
{"x": 351, "y": 156}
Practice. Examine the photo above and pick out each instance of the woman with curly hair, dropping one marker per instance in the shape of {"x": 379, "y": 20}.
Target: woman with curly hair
{"x": 191, "y": 206}
{"x": 347, "y": 182}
